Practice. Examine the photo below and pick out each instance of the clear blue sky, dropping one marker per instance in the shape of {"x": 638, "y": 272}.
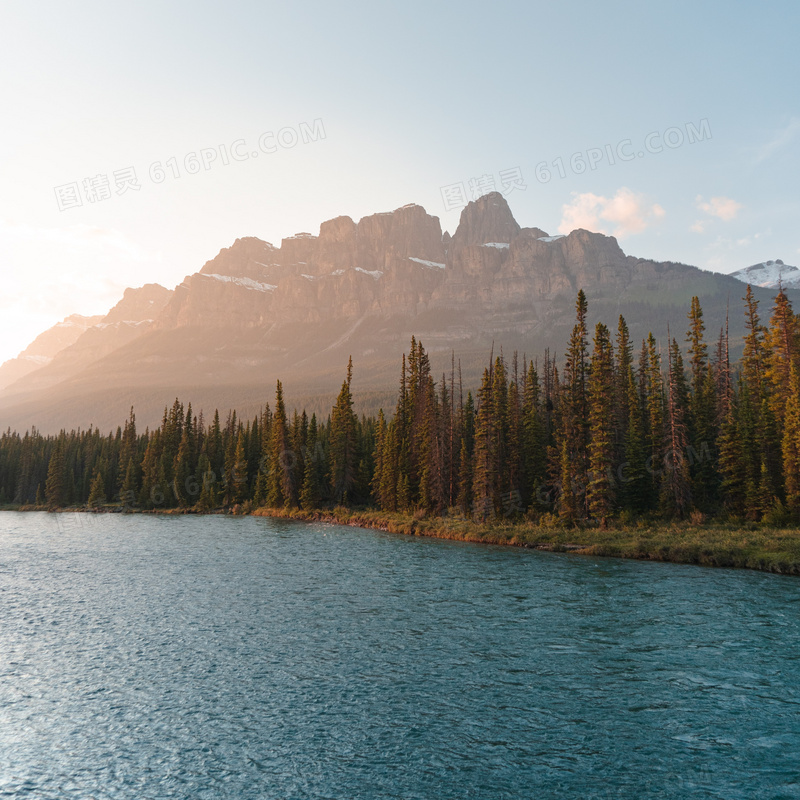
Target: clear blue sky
{"x": 412, "y": 98}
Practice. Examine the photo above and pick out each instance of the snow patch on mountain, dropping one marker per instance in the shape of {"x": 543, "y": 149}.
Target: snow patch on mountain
{"x": 247, "y": 283}
{"x": 434, "y": 264}
{"x": 768, "y": 274}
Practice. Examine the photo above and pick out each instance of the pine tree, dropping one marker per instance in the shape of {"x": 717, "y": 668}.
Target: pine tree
{"x": 791, "y": 445}
{"x": 208, "y": 499}
{"x": 623, "y": 368}
{"x": 754, "y": 354}
{"x": 485, "y": 464}
{"x": 56, "y": 486}
{"x": 654, "y": 409}
{"x": 431, "y": 484}
{"x": 600, "y": 489}
{"x": 675, "y": 485}
{"x": 534, "y": 442}
{"x": 310, "y": 494}
{"x": 566, "y": 499}
{"x": 701, "y": 419}
{"x": 575, "y": 411}
{"x": 97, "y": 493}
{"x": 636, "y": 483}
{"x": 280, "y": 491}
{"x": 732, "y": 462}
{"x": 781, "y": 342}
{"x": 238, "y": 479}
{"x": 343, "y": 444}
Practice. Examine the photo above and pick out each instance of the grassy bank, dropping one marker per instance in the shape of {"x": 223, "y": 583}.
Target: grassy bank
{"x": 710, "y": 544}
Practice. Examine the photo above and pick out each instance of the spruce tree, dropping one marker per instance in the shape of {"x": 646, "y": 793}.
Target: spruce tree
{"x": 343, "y": 444}
{"x": 485, "y": 462}
{"x": 575, "y": 410}
{"x": 654, "y": 409}
{"x": 781, "y": 342}
{"x": 675, "y": 484}
{"x": 56, "y": 485}
{"x": 97, "y": 493}
{"x": 534, "y": 442}
{"x": 791, "y": 445}
{"x": 310, "y": 493}
{"x": 279, "y": 481}
{"x": 600, "y": 489}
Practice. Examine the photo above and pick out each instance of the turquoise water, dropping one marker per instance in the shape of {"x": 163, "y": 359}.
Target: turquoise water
{"x": 220, "y": 657}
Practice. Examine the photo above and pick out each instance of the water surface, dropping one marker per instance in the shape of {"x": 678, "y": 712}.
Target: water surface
{"x": 221, "y": 657}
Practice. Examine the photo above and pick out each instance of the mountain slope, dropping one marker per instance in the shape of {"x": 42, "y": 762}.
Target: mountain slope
{"x": 45, "y": 347}
{"x": 296, "y": 312}
{"x": 129, "y": 318}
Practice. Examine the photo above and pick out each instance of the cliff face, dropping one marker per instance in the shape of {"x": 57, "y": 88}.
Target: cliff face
{"x": 396, "y": 263}
{"x": 257, "y": 312}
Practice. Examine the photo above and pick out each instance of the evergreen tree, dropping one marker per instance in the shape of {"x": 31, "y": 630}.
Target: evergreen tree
{"x": 675, "y": 485}
{"x": 343, "y": 444}
{"x": 781, "y": 342}
{"x": 208, "y": 498}
{"x": 654, "y": 405}
{"x": 280, "y": 491}
{"x": 310, "y": 494}
{"x": 791, "y": 445}
{"x": 534, "y": 442}
{"x": 485, "y": 466}
{"x": 575, "y": 411}
{"x": 56, "y": 486}
{"x": 600, "y": 490}
{"x": 97, "y": 493}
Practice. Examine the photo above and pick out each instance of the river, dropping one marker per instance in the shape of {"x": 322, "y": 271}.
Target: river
{"x": 236, "y": 657}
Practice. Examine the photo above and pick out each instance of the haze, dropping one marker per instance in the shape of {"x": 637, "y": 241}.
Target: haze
{"x": 370, "y": 108}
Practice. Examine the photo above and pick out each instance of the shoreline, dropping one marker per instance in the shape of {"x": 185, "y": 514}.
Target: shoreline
{"x": 775, "y": 550}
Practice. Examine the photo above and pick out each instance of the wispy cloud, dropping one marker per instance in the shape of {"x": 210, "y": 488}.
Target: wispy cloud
{"x": 724, "y": 208}
{"x": 779, "y": 140}
{"x": 627, "y": 211}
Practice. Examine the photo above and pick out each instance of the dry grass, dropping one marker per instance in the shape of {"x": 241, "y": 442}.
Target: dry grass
{"x": 712, "y": 544}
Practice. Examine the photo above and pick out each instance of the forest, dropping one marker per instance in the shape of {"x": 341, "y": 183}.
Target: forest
{"x": 615, "y": 431}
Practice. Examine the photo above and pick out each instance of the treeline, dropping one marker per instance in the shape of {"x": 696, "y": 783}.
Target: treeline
{"x": 615, "y": 433}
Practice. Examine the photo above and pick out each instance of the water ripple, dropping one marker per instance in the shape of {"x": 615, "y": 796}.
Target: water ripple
{"x": 210, "y": 657}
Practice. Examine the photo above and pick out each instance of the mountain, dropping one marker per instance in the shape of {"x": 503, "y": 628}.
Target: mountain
{"x": 769, "y": 274}
{"x": 45, "y": 347}
{"x": 257, "y": 312}
{"x": 129, "y": 318}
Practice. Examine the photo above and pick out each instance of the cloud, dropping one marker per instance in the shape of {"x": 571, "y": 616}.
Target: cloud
{"x": 781, "y": 138}
{"x": 629, "y": 212}
{"x": 723, "y": 208}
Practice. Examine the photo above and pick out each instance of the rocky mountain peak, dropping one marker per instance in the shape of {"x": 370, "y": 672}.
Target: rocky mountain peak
{"x": 248, "y": 257}
{"x": 487, "y": 219}
{"x": 770, "y": 274}
{"x": 139, "y": 305}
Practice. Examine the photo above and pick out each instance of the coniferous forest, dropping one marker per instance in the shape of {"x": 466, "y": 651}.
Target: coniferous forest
{"x": 617, "y": 430}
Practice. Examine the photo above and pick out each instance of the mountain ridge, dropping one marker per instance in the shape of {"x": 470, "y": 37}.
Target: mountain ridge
{"x": 255, "y": 313}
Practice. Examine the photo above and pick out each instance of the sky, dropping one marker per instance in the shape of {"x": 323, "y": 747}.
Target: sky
{"x": 139, "y": 139}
